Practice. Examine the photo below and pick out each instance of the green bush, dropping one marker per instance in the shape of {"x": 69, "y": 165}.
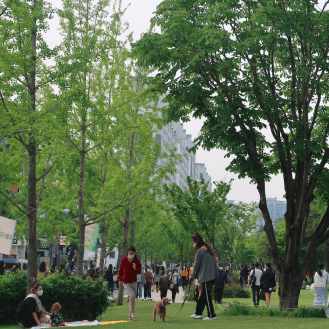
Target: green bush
{"x": 235, "y": 290}
{"x": 302, "y": 312}
{"x": 12, "y": 292}
{"x": 80, "y": 299}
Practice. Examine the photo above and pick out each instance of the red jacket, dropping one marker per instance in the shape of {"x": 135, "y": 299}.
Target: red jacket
{"x": 127, "y": 274}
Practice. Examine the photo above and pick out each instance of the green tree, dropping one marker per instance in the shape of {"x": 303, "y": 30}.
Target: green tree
{"x": 258, "y": 73}
{"x": 27, "y": 107}
{"x": 237, "y": 226}
{"x": 197, "y": 208}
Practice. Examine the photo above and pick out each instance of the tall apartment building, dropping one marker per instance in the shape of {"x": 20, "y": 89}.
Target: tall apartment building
{"x": 276, "y": 208}
{"x": 174, "y": 135}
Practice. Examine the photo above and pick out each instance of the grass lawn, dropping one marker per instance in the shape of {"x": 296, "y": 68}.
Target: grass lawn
{"x": 144, "y": 314}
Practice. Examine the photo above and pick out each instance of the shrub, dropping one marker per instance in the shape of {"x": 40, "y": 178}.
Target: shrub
{"x": 80, "y": 299}
{"x": 235, "y": 290}
{"x": 302, "y": 312}
{"x": 12, "y": 292}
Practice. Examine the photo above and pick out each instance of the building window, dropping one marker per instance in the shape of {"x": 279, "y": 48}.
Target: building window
{"x": 112, "y": 255}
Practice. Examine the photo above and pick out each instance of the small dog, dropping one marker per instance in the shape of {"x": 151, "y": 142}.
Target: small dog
{"x": 160, "y": 308}
{"x": 56, "y": 320}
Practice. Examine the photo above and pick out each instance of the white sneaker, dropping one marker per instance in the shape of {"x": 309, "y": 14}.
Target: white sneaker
{"x": 207, "y": 318}
{"x": 194, "y": 316}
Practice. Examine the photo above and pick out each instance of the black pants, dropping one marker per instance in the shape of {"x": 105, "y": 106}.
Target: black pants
{"x": 173, "y": 295}
{"x": 206, "y": 300}
{"x": 255, "y": 292}
{"x": 218, "y": 292}
{"x": 27, "y": 321}
{"x": 163, "y": 293}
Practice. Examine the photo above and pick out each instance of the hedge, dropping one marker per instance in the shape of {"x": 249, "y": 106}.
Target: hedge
{"x": 301, "y": 312}
{"x": 80, "y": 299}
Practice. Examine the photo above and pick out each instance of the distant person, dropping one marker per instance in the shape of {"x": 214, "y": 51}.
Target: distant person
{"x": 148, "y": 283}
{"x": 243, "y": 277}
{"x": 109, "y": 279}
{"x": 42, "y": 269}
{"x": 14, "y": 269}
{"x": 268, "y": 281}
{"x": 304, "y": 284}
{"x": 219, "y": 284}
{"x": 157, "y": 276}
{"x": 321, "y": 279}
{"x": 2, "y": 267}
{"x": 91, "y": 270}
{"x": 163, "y": 285}
{"x": 174, "y": 280}
{"x": 255, "y": 276}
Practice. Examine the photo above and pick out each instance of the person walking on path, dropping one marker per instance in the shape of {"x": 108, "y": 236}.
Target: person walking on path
{"x": 255, "y": 276}
{"x": 184, "y": 276}
{"x": 174, "y": 280}
{"x": 148, "y": 283}
{"x": 268, "y": 281}
{"x": 205, "y": 269}
{"x": 219, "y": 284}
{"x": 130, "y": 267}
{"x": 139, "y": 286}
{"x": 109, "y": 279}
{"x": 163, "y": 285}
{"x": 157, "y": 276}
{"x": 321, "y": 279}
{"x": 244, "y": 276}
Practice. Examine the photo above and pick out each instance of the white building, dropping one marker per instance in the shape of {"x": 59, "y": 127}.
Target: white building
{"x": 174, "y": 135}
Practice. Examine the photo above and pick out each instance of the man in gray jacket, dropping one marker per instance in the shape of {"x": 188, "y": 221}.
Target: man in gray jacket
{"x": 205, "y": 270}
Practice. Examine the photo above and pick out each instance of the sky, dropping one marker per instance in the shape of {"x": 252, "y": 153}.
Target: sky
{"x": 138, "y": 15}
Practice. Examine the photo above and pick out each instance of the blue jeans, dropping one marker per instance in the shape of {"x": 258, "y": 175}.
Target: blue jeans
{"x": 255, "y": 292}
{"x": 139, "y": 290}
{"x": 148, "y": 288}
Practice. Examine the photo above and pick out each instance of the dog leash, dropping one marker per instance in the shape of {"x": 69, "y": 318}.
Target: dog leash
{"x": 182, "y": 304}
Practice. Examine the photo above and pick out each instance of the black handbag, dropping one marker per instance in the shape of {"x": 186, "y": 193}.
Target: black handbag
{"x": 262, "y": 295}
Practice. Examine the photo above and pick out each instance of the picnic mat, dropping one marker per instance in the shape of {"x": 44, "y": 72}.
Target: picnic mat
{"x": 81, "y": 324}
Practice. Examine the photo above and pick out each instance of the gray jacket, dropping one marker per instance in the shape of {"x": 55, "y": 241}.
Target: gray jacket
{"x": 205, "y": 267}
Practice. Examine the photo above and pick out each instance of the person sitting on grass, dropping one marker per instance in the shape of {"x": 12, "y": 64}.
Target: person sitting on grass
{"x": 30, "y": 312}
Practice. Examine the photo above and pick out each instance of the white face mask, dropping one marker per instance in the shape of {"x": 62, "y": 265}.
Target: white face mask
{"x": 221, "y": 268}
{"x": 194, "y": 245}
{"x": 40, "y": 292}
{"x": 175, "y": 274}
{"x": 130, "y": 256}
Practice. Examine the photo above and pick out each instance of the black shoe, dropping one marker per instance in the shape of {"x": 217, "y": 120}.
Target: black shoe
{"x": 21, "y": 324}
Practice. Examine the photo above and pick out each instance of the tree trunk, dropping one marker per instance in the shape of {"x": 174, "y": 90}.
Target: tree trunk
{"x": 181, "y": 255}
{"x": 32, "y": 223}
{"x": 290, "y": 283}
{"x": 81, "y": 249}
{"x": 32, "y": 179}
{"x": 132, "y": 233}
{"x": 103, "y": 249}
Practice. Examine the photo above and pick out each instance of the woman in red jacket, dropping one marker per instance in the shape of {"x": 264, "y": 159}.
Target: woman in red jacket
{"x": 130, "y": 266}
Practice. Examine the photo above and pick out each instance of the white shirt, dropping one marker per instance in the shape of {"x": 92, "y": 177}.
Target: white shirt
{"x": 257, "y": 273}
{"x": 321, "y": 281}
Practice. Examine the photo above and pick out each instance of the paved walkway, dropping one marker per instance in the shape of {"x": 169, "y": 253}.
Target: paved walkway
{"x": 156, "y": 295}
